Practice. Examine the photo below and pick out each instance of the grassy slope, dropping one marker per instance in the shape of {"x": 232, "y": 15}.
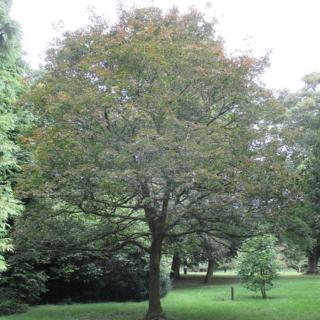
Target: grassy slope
{"x": 293, "y": 298}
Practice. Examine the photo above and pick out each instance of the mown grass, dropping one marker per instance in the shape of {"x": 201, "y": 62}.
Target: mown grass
{"x": 294, "y": 297}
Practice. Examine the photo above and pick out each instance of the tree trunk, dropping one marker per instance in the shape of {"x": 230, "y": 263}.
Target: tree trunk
{"x": 313, "y": 259}
{"x": 185, "y": 270}
{"x": 155, "y": 311}
{"x": 263, "y": 292}
{"x": 175, "y": 267}
{"x": 209, "y": 274}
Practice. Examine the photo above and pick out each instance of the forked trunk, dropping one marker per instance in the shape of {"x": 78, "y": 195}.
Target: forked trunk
{"x": 155, "y": 311}
{"x": 175, "y": 267}
{"x": 209, "y": 274}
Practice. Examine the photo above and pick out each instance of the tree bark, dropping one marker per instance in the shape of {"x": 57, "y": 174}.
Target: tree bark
{"x": 155, "y": 311}
{"x": 209, "y": 274}
{"x": 313, "y": 259}
{"x": 175, "y": 267}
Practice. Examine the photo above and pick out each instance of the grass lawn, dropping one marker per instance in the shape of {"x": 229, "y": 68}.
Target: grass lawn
{"x": 294, "y": 297}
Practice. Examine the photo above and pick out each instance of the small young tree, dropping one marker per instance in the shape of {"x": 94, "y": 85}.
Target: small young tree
{"x": 257, "y": 264}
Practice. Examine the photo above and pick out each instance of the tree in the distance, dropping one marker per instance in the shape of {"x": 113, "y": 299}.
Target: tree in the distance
{"x": 214, "y": 250}
{"x": 257, "y": 264}
{"x": 142, "y": 126}
{"x": 302, "y": 139}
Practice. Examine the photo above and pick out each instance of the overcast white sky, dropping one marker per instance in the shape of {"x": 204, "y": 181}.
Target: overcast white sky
{"x": 289, "y": 28}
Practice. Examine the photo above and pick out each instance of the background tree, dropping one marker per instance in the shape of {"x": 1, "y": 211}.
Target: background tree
{"x": 180, "y": 251}
{"x": 302, "y": 139}
{"x": 294, "y": 256}
{"x": 257, "y": 264}
{"x": 213, "y": 250}
{"x": 143, "y": 125}
{"x": 175, "y": 266}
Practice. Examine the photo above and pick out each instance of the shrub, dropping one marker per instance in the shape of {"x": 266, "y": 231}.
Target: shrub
{"x": 22, "y": 281}
{"x": 9, "y": 306}
{"x": 78, "y": 277}
{"x": 124, "y": 277}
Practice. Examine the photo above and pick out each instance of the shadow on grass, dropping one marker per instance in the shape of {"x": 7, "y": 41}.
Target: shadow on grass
{"x": 257, "y": 297}
{"x": 225, "y": 296}
{"x": 114, "y": 316}
{"x": 196, "y": 281}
